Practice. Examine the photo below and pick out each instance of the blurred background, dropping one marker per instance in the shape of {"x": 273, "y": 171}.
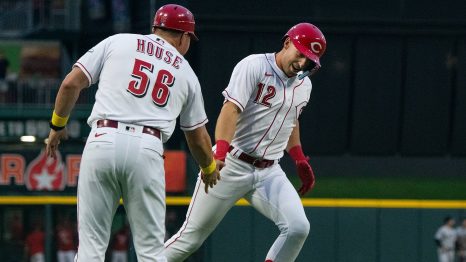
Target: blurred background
{"x": 385, "y": 126}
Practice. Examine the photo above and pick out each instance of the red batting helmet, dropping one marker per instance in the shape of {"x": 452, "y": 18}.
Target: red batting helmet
{"x": 309, "y": 40}
{"x": 175, "y": 17}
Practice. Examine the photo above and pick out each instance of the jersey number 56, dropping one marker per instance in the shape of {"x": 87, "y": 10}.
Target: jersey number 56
{"x": 139, "y": 86}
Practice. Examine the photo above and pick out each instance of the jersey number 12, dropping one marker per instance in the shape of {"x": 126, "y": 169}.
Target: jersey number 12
{"x": 139, "y": 86}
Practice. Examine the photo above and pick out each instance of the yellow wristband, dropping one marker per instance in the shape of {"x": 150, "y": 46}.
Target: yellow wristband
{"x": 58, "y": 120}
{"x": 210, "y": 168}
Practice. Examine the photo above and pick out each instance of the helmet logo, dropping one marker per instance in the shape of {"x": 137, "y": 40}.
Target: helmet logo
{"x": 316, "y": 47}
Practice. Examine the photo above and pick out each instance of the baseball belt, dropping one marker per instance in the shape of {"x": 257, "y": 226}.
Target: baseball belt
{"x": 114, "y": 124}
{"x": 257, "y": 162}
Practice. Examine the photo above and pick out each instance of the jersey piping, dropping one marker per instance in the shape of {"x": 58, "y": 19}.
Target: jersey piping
{"x": 85, "y": 71}
{"x": 203, "y": 122}
{"x": 233, "y": 100}
{"x": 278, "y": 111}
{"x": 291, "y": 105}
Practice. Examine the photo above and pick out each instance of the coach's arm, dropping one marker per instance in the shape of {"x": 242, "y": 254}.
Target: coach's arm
{"x": 201, "y": 148}
{"x": 67, "y": 95}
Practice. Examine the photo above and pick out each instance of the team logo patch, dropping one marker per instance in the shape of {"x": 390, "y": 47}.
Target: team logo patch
{"x": 45, "y": 174}
{"x": 316, "y": 47}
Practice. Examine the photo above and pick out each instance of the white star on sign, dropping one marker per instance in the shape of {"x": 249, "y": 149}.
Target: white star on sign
{"x": 44, "y": 180}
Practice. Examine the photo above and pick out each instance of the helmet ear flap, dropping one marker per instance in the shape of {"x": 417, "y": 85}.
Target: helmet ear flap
{"x": 309, "y": 40}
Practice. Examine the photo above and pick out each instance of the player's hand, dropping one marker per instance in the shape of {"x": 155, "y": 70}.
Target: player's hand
{"x": 52, "y": 142}
{"x": 220, "y": 164}
{"x": 306, "y": 175}
{"x": 210, "y": 180}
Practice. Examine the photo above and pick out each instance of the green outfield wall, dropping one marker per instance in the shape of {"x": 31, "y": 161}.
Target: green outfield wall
{"x": 349, "y": 230}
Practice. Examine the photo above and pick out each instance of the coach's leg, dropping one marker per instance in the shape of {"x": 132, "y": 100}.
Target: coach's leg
{"x": 143, "y": 189}
{"x": 98, "y": 198}
{"x": 277, "y": 199}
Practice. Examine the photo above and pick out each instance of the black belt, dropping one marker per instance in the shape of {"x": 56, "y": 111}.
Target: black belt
{"x": 114, "y": 124}
{"x": 257, "y": 162}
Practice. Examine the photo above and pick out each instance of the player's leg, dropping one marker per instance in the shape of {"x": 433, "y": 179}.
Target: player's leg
{"x": 98, "y": 197}
{"x": 207, "y": 210}
{"x": 277, "y": 199}
{"x": 40, "y": 257}
{"x": 451, "y": 256}
{"x": 60, "y": 256}
{"x": 70, "y": 256}
{"x": 204, "y": 213}
{"x": 143, "y": 191}
{"x": 118, "y": 256}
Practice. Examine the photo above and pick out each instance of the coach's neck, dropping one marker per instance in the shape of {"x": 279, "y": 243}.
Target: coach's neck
{"x": 180, "y": 40}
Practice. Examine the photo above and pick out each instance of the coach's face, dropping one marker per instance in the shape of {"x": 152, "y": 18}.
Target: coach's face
{"x": 293, "y": 61}
{"x": 185, "y": 43}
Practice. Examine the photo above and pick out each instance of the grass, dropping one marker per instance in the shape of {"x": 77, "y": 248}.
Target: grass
{"x": 388, "y": 188}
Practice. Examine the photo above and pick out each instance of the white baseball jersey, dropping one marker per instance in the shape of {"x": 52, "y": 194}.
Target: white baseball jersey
{"x": 143, "y": 81}
{"x": 447, "y": 237}
{"x": 155, "y": 83}
{"x": 271, "y": 104}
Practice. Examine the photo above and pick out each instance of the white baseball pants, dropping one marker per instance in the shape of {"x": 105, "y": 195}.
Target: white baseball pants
{"x": 446, "y": 255}
{"x": 268, "y": 190}
{"x": 121, "y": 162}
{"x": 66, "y": 256}
{"x": 39, "y": 257}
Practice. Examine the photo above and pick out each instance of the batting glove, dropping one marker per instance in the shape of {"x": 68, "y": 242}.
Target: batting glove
{"x": 306, "y": 175}
{"x": 305, "y": 172}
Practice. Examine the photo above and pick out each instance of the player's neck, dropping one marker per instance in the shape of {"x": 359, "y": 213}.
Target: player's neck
{"x": 278, "y": 60}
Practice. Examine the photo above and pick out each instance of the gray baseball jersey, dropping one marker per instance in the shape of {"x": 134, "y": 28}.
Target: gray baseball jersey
{"x": 447, "y": 237}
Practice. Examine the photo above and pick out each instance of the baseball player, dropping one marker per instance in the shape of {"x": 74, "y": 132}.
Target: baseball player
{"x": 65, "y": 239}
{"x": 35, "y": 244}
{"x": 258, "y": 121}
{"x": 120, "y": 245}
{"x": 461, "y": 241}
{"x": 145, "y": 83}
{"x": 445, "y": 238}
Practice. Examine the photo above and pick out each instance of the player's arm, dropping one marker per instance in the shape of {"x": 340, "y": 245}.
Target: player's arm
{"x": 295, "y": 138}
{"x": 201, "y": 148}
{"x": 67, "y": 95}
{"x": 438, "y": 242}
{"x": 305, "y": 172}
{"x": 225, "y": 129}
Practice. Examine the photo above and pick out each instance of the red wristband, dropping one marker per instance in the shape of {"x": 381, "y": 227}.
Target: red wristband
{"x": 222, "y": 149}
{"x": 296, "y": 153}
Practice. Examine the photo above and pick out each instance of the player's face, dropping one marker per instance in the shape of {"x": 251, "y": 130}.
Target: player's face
{"x": 293, "y": 60}
{"x": 451, "y": 222}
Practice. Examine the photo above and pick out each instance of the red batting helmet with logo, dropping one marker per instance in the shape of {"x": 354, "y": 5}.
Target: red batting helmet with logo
{"x": 309, "y": 40}
{"x": 175, "y": 17}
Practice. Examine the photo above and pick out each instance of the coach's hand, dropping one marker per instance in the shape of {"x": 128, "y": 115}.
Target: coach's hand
{"x": 306, "y": 175}
{"x": 52, "y": 142}
{"x": 210, "y": 180}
